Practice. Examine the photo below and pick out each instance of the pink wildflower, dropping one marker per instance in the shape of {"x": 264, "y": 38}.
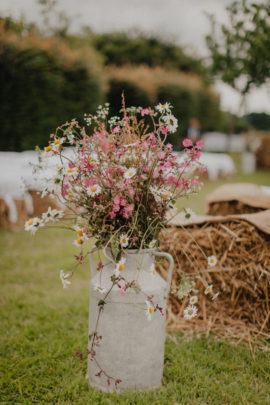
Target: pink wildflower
{"x": 187, "y": 143}
{"x": 152, "y": 139}
{"x": 169, "y": 147}
{"x": 65, "y": 190}
{"x": 164, "y": 130}
{"x": 199, "y": 144}
{"x": 100, "y": 266}
{"x": 91, "y": 181}
{"x": 145, "y": 111}
{"x": 117, "y": 199}
{"x": 127, "y": 211}
{"x": 123, "y": 202}
{"x": 116, "y": 130}
{"x": 122, "y": 291}
{"x": 96, "y": 135}
{"x": 146, "y": 169}
{"x": 126, "y": 118}
{"x": 161, "y": 155}
{"x": 131, "y": 191}
{"x": 194, "y": 154}
{"x": 116, "y": 207}
{"x": 105, "y": 145}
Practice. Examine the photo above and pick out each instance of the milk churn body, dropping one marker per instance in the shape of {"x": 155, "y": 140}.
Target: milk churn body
{"x": 132, "y": 347}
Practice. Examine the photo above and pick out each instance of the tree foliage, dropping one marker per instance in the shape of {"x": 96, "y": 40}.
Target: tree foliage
{"x": 42, "y": 86}
{"x": 240, "y": 51}
{"x": 120, "y": 48}
{"x": 259, "y": 121}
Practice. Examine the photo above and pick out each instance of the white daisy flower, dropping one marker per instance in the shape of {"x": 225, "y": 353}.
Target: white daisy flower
{"x": 81, "y": 232}
{"x": 152, "y": 244}
{"x": 120, "y": 266}
{"x": 166, "y": 194}
{"x": 208, "y": 289}
{"x": 161, "y": 194}
{"x": 124, "y": 241}
{"x": 215, "y": 296}
{"x": 63, "y": 278}
{"x": 171, "y": 123}
{"x": 186, "y": 215}
{"x": 29, "y": 225}
{"x": 212, "y": 260}
{"x": 49, "y": 150}
{"x": 72, "y": 171}
{"x": 100, "y": 289}
{"x": 190, "y": 312}
{"x": 162, "y": 108}
{"x": 33, "y": 224}
{"x": 78, "y": 242}
{"x": 94, "y": 190}
{"x": 153, "y": 269}
{"x": 130, "y": 173}
{"x": 52, "y": 215}
{"x": 193, "y": 300}
{"x": 149, "y": 310}
{"x": 57, "y": 143}
{"x": 69, "y": 196}
{"x": 92, "y": 158}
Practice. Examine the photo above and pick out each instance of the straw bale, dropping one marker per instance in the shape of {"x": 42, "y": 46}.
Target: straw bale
{"x": 41, "y": 205}
{"x": 263, "y": 153}
{"x": 231, "y": 208}
{"x": 242, "y": 277}
{"x": 237, "y": 198}
{"x": 4, "y": 214}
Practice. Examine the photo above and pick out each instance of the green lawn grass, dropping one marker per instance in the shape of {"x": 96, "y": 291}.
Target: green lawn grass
{"x": 42, "y": 325}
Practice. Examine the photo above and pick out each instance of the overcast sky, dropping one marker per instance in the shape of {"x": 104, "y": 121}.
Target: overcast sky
{"x": 183, "y": 21}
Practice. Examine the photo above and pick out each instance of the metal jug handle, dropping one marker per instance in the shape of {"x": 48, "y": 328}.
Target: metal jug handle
{"x": 92, "y": 273}
{"x": 171, "y": 261}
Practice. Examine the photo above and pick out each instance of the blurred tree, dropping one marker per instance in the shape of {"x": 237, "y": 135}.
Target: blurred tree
{"x": 120, "y": 48}
{"x": 43, "y": 84}
{"x": 240, "y": 51}
{"x": 134, "y": 95}
{"x": 259, "y": 121}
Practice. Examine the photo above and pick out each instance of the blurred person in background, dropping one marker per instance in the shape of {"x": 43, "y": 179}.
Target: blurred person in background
{"x": 194, "y": 130}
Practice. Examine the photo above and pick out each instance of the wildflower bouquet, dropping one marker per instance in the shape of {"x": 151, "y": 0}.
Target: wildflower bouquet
{"x": 121, "y": 180}
{"x": 119, "y": 183}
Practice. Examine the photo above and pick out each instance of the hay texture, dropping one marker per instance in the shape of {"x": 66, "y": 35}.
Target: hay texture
{"x": 241, "y": 276}
{"x": 237, "y": 198}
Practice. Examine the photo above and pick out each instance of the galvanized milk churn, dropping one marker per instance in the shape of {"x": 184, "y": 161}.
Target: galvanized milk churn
{"x": 132, "y": 346}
